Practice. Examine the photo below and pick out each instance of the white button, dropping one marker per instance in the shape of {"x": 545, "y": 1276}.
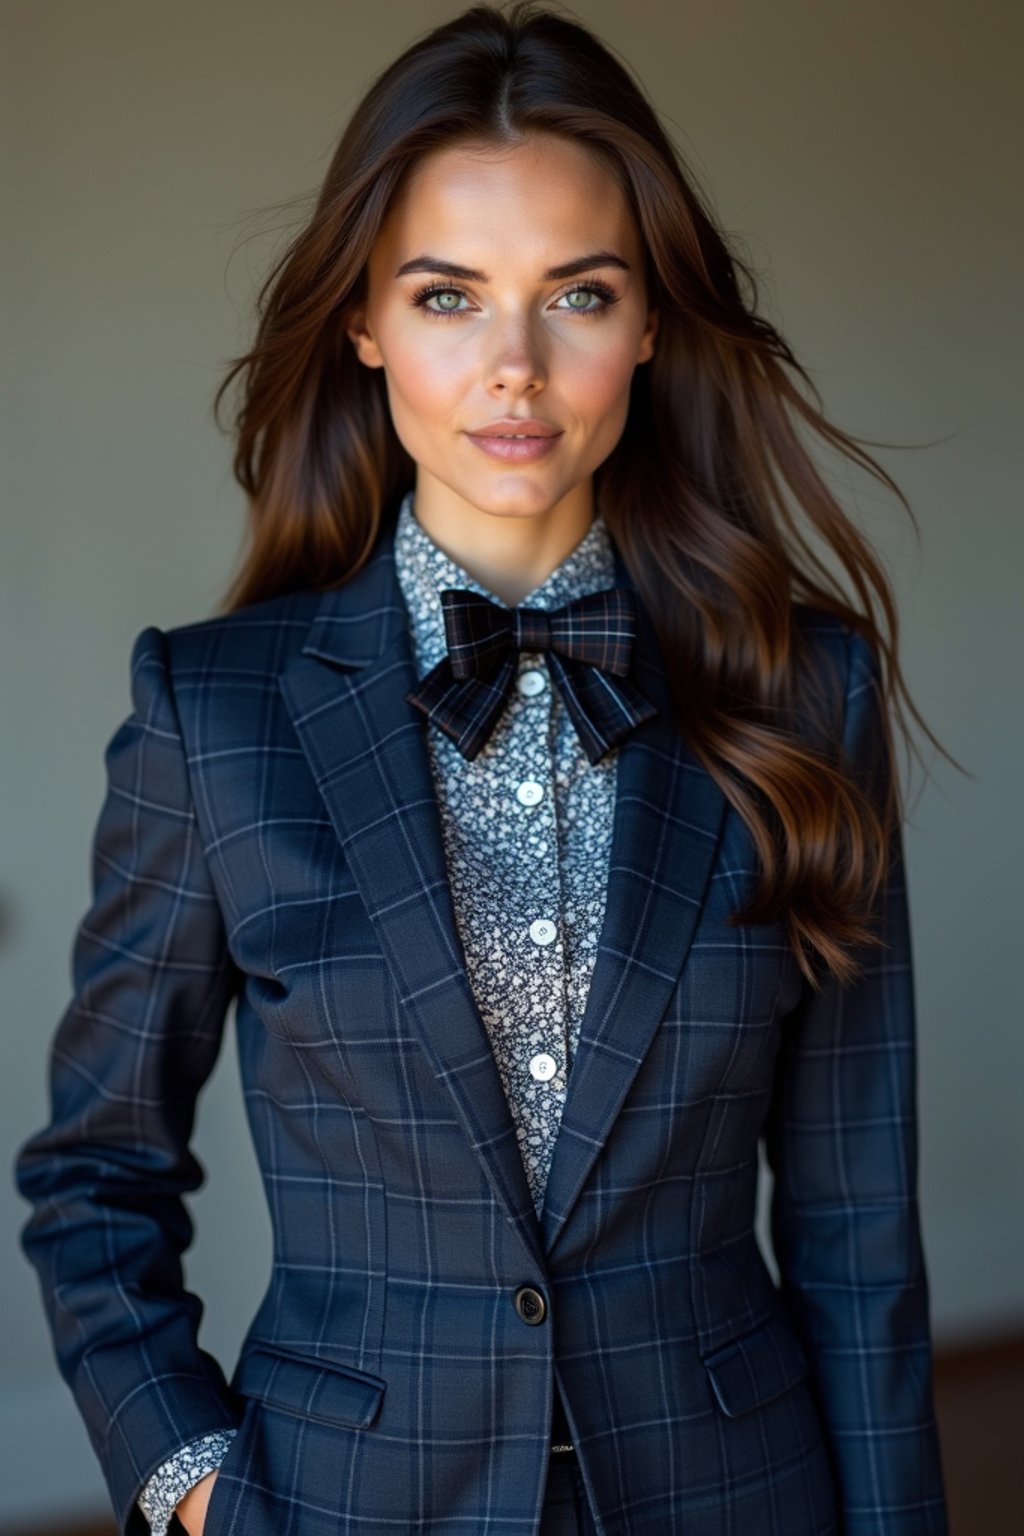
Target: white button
{"x": 543, "y": 1067}
{"x": 543, "y": 932}
{"x": 529, "y": 792}
{"x": 530, "y": 682}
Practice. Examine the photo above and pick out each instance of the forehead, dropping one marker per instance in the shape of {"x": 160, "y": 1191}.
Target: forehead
{"x": 537, "y": 202}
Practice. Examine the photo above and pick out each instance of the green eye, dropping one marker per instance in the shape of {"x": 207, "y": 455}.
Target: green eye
{"x": 585, "y": 291}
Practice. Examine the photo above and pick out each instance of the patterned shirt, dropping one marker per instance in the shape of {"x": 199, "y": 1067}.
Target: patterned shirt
{"x": 527, "y": 828}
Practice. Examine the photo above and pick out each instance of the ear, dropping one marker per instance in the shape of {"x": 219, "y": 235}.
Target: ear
{"x": 650, "y": 331}
{"x": 362, "y": 338}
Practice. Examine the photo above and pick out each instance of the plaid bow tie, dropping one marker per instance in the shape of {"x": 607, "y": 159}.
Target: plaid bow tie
{"x": 589, "y": 643}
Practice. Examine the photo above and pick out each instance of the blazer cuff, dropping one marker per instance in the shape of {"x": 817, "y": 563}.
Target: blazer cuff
{"x": 172, "y": 1411}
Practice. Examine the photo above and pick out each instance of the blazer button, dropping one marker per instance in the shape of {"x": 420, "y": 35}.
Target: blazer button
{"x": 530, "y": 1305}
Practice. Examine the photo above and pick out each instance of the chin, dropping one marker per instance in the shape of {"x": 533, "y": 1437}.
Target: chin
{"x": 518, "y": 500}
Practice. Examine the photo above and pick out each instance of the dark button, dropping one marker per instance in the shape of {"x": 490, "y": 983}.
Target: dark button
{"x": 530, "y": 1305}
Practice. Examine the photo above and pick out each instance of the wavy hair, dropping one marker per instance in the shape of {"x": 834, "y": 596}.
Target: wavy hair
{"x": 703, "y": 493}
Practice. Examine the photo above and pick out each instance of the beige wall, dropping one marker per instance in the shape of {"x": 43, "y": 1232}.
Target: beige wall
{"x": 867, "y": 157}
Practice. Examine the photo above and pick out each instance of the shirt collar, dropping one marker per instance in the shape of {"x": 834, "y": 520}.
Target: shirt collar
{"x": 424, "y": 569}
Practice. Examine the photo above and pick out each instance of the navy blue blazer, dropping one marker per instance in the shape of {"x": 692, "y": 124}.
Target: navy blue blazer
{"x": 270, "y": 835}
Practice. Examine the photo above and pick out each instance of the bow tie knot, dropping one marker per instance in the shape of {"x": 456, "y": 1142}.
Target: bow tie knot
{"x": 589, "y": 644}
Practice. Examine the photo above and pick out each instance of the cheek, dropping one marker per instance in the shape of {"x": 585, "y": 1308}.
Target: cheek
{"x": 425, "y": 377}
{"x": 597, "y": 388}
{"x": 594, "y": 368}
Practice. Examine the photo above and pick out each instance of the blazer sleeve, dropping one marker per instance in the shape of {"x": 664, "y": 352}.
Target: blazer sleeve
{"x": 151, "y": 983}
{"x": 842, "y": 1143}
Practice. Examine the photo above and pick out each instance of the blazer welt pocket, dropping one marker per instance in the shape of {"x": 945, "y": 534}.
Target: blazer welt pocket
{"x": 309, "y": 1388}
{"x": 756, "y": 1367}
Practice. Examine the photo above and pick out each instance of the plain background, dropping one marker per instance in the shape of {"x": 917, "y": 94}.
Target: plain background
{"x": 866, "y": 159}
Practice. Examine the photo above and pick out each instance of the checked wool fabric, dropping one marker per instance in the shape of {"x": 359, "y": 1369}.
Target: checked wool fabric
{"x": 588, "y": 641}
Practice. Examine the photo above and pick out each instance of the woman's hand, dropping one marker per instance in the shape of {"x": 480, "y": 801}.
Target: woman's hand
{"x": 191, "y": 1510}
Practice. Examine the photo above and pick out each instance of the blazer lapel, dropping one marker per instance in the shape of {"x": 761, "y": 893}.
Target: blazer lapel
{"x": 345, "y": 692}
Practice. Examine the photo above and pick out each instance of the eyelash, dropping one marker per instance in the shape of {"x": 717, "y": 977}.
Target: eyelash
{"x": 602, "y": 290}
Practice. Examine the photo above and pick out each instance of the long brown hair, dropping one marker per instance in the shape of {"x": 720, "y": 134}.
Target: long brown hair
{"x": 700, "y": 494}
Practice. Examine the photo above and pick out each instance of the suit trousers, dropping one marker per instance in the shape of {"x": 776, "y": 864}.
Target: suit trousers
{"x": 566, "y": 1511}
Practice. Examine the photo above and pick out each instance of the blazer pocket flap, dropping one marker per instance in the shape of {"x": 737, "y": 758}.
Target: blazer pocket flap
{"x": 311, "y": 1389}
{"x": 756, "y": 1367}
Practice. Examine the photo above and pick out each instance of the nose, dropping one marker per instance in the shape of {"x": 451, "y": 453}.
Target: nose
{"x": 518, "y": 363}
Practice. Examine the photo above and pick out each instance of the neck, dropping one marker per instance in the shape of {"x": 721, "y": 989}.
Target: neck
{"x": 508, "y": 552}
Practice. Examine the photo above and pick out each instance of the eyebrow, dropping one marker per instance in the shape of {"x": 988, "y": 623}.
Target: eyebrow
{"x": 474, "y": 275}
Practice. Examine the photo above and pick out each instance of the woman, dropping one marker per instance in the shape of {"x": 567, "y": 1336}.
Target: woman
{"x": 536, "y": 807}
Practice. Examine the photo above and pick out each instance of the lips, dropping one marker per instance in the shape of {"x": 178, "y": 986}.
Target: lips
{"x": 500, "y": 442}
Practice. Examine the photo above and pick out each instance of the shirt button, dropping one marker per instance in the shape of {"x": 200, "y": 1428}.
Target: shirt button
{"x": 543, "y": 1067}
{"x": 543, "y": 932}
{"x": 531, "y": 681}
{"x": 529, "y": 792}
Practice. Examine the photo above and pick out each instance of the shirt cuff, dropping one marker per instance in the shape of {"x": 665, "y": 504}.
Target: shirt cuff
{"x": 180, "y": 1472}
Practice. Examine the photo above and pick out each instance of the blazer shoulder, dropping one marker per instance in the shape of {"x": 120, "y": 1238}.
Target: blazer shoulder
{"x": 838, "y": 678}
{"x": 836, "y": 645}
{"x": 259, "y": 638}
